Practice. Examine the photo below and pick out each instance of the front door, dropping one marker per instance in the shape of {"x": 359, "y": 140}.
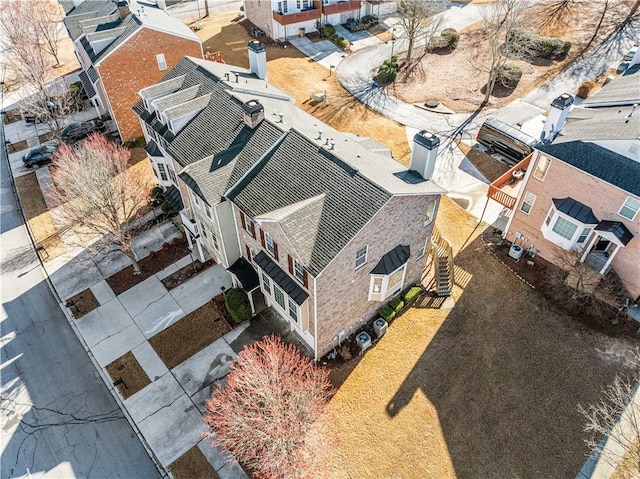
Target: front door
{"x": 602, "y": 246}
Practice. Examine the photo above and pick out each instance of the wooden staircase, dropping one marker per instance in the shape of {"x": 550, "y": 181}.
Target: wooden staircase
{"x": 442, "y": 261}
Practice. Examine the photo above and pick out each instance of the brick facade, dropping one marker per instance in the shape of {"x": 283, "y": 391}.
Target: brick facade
{"x": 261, "y": 15}
{"x": 561, "y": 181}
{"x": 343, "y": 291}
{"x": 133, "y": 66}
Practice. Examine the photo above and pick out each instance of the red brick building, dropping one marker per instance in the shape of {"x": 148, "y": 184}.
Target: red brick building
{"x": 124, "y": 47}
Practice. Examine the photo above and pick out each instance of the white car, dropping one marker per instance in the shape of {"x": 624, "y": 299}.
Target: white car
{"x": 629, "y": 56}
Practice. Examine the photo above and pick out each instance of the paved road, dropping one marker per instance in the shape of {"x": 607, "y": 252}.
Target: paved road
{"x": 57, "y": 418}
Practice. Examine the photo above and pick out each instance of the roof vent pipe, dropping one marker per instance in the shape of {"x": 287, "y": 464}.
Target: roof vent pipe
{"x": 237, "y": 77}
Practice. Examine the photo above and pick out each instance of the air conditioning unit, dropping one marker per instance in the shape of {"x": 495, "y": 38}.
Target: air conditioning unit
{"x": 516, "y": 252}
{"x": 380, "y": 327}
{"x": 363, "y": 340}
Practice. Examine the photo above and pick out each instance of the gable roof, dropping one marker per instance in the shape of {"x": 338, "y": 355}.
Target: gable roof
{"x": 297, "y": 170}
{"x": 122, "y": 30}
{"x": 87, "y": 10}
{"x": 621, "y": 90}
{"x": 600, "y": 162}
{"x": 605, "y": 123}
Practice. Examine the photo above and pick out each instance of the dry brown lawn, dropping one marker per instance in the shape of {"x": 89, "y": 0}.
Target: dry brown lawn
{"x": 41, "y": 224}
{"x": 487, "y": 387}
{"x": 457, "y": 79}
{"x": 292, "y": 72}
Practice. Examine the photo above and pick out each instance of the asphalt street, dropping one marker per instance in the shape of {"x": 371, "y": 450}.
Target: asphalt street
{"x": 57, "y": 417}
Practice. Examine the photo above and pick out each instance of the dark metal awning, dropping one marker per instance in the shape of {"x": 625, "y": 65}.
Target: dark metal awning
{"x": 282, "y": 279}
{"x": 617, "y": 229}
{"x": 153, "y": 150}
{"x": 174, "y": 198}
{"x": 576, "y": 210}
{"x": 392, "y": 260}
{"x": 87, "y": 85}
{"x": 246, "y": 274}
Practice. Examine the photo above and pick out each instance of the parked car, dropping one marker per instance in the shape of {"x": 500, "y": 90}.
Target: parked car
{"x": 630, "y": 54}
{"x": 498, "y": 137}
{"x": 75, "y": 132}
{"x": 40, "y": 155}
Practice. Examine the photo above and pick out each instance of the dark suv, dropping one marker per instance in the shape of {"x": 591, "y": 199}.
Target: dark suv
{"x": 75, "y": 132}
{"x": 40, "y": 155}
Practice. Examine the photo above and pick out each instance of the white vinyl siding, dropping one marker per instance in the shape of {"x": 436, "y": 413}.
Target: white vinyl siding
{"x": 383, "y": 287}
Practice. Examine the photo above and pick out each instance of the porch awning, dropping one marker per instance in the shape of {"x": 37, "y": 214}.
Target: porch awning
{"x": 153, "y": 150}
{"x": 392, "y": 260}
{"x": 87, "y": 85}
{"x": 614, "y": 231}
{"x": 174, "y": 198}
{"x": 576, "y": 210}
{"x": 282, "y": 279}
{"x": 246, "y": 274}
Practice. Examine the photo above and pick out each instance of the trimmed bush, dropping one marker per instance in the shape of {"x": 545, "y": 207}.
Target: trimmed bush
{"x": 343, "y": 43}
{"x": 397, "y": 304}
{"x": 237, "y": 303}
{"x": 328, "y": 31}
{"x": 412, "y": 294}
{"x": 388, "y": 70}
{"x": 387, "y": 313}
{"x": 450, "y": 38}
{"x": 509, "y": 75}
{"x": 537, "y": 45}
{"x": 585, "y": 89}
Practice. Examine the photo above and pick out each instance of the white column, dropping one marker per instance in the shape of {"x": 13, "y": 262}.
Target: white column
{"x": 589, "y": 247}
{"x": 189, "y": 242}
{"x": 611, "y": 256}
{"x": 253, "y": 309}
{"x": 200, "y": 253}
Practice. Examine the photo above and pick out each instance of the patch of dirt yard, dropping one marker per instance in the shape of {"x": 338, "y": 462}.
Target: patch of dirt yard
{"x": 432, "y": 75}
{"x": 294, "y": 73}
{"x": 192, "y": 465}
{"x": 156, "y": 261}
{"x": 488, "y": 166}
{"x": 488, "y": 388}
{"x": 189, "y": 335}
{"x": 128, "y": 369}
{"x": 82, "y": 303}
{"x": 39, "y": 217}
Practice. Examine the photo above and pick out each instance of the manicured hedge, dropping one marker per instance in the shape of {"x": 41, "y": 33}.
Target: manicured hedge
{"x": 237, "y": 303}
{"x": 397, "y": 304}
{"x": 388, "y": 70}
{"x": 509, "y": 75}
{"x": 412, "y": 294}
{"x": 387, "y": 313}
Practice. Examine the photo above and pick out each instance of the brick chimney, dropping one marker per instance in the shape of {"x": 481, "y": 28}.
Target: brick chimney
{"x": 253, "y": 113}
{"x": 425, "y": 151}
{"x": 258, "y": 59}
{"x": 557, "y": 116}
{"x": 123, "y": 8}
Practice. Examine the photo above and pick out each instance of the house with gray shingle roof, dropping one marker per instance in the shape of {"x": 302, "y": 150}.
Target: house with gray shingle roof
{"x": 581, "y": 191}
{"x": 124, "y": 46}
{"x": 322, "y": 226}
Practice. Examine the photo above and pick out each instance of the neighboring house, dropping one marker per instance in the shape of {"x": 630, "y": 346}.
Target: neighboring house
{"x": 123, "y": 47}
{"x": 581, "y": 192}
{"x": 324, "y": 227}
{"x": 283, "y": 19}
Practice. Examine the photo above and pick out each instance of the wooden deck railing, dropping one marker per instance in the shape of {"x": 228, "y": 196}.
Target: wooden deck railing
{"x": 508, "y": 178}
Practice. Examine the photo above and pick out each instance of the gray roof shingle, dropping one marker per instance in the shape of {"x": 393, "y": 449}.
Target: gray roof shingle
{"x": 298, "y": 169}
{"x": 604, "y": 123}
{"x": 600, "y": 162}
{"x": 162, "y": 88}
{"x": 624, "y": 89}
{"x": 87, "y": 10}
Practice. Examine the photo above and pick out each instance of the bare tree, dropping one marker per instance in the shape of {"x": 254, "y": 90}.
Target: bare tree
{"x": 96, "y": 190}
{"x": 501, "y": 22}
{"x": 270, "y": 410}
{"x": 614, "y": 424}
{"x": 29, "y": 38}
{"x": 415, "y": 19}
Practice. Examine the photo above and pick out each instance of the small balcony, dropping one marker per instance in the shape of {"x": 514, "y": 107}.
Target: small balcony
{"x": 298, "y": 17}
{"x": 186, "y": 215}
{"x": 341, "y": 7}
{"x": 505, "y": 189}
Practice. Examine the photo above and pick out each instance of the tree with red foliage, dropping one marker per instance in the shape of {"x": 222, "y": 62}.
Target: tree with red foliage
{"x": 270, "y": 415}
{"x": 96, "y": 191}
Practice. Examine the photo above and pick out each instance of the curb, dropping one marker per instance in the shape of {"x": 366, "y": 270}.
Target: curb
{"x": 163, "y": 472}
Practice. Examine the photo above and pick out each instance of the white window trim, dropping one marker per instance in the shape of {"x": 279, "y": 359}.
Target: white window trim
{"x": 542, "y": 158}
{"x": 555, "y": 238}
{"x": 430, "y": 215}
{"x": 269, "y": 244}
{"x": 384, "y": 293}
{"x": 162, "y": 61}
{"x": 297, "y": 264}
{"x": 162, "y": 172}
{"x": 623, "y": 206}
{"x": 366, "y": 254}
{"x": 423, "y": 249}
{"x": 527, "y": 195}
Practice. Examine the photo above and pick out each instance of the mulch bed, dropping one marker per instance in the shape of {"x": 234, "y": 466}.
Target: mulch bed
{"x": 191, "y": 334}
{"x": 128, "y": 369}
{"x": 182, "y": 275}
{"x": 18, "y": 146}
{"x": 46, "y": 137}
{"x": 82, "y": 303}
{"x": 192, "y": 465}
{"x": 156, "y": 261}
{"x": 548, "y": 279}
{"x": 11, "y": 116}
